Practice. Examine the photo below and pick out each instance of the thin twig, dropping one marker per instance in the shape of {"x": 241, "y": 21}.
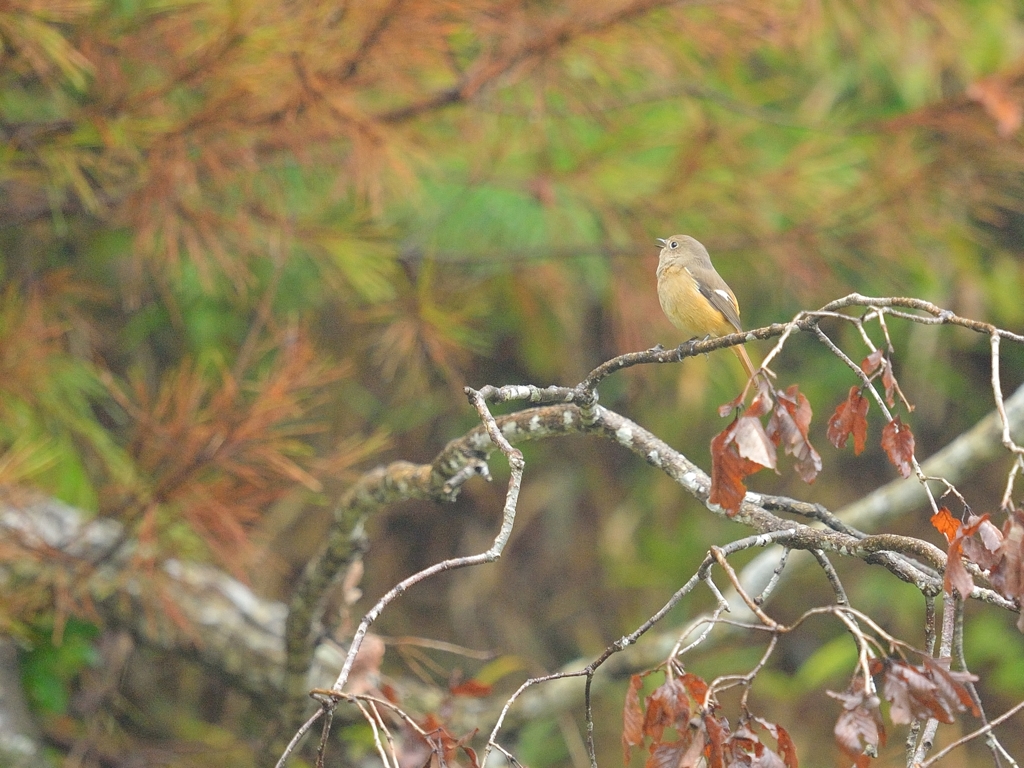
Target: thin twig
{"x": 972, "y": 735}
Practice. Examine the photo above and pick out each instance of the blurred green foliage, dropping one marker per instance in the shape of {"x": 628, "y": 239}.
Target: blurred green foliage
{"x": 51, "y": 665}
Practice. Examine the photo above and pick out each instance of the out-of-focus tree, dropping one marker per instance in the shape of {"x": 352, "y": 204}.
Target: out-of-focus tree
{"x": 248, "y": 247}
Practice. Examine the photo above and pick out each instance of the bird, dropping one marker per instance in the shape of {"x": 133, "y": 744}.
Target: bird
{"x": 694, "y": 296}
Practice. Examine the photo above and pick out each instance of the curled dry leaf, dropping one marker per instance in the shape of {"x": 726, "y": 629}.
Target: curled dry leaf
{"x": 919, "y": 693}
{"x": 957, "y": 577}
{"x": 898, "y": 443}
{"x": 696, "y": 687}
{"x": 729, "y": 468}
{"x": 746, "y": 447}
{"x": 753, "y": 443}
{"x": 991, "y": 537}
{"x": 850, "y": 418}
{"x": 889, "y": 382}
{"x": 870, "y": 363}
{"x": 859, "y": 729}
{"x": 788, "y": 427}
{"x": 946, "y": 524}
{"x": 951, "y": 683}
{"x": 763, "y": 401}
{"x": 716, "y": 730}
{"x": 685, "y": 731}
{"x": 632, "y": 718}
{"x": 741, "y": 449}
{"x": 1000, "y": 552}
{"x": 786, "y": 748}
{"x": 984, "y": 549}
{"x": 667, "y": 707}
{"x": 1007, "y": 575}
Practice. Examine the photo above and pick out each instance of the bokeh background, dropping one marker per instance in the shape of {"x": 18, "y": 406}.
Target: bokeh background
{"x": 251, "y": 249}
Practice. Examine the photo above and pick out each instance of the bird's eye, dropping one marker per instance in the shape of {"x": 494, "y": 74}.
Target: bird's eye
{"x": 673, "y": 244}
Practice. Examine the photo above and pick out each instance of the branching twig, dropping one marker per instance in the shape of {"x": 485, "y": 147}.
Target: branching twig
{"x": 972, "y": 735}
{"x": 575, "y": 410}
{"x": 516, "y": 464}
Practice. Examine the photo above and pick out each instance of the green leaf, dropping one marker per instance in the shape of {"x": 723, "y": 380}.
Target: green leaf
{"x": 48, "y": 670}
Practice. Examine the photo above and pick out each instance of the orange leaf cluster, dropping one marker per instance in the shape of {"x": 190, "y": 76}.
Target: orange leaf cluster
{"x": 746, "y": 447}
{"x": 1000, "y": 553}
{"x": 850, "y": 417}
{"x": 444, "y": 747}
{"x": 680, "y": 705}
{"x": 914, "y": 693}
{"x": 920, "y": 693}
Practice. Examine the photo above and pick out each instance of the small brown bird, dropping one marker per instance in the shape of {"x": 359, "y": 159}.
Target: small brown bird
{"x": 694, "y": 296}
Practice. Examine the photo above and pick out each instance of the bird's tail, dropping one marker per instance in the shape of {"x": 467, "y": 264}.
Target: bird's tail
{"x": 748, "y": 366}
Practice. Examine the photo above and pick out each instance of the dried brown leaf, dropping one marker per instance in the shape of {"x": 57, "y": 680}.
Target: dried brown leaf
{"x": 728, "y": 469}
{"x": 670, "y": 754}
{"x": 696, "y": 687}
{"x": 726, "y": 408}
{"x": 850, "y": 418}
{"x": 667, "y": 707}
{"x": 898, "y": 443}
{"x": 944, "y": 522}
{"x": 717, "y": 732}
{"x": 1007, "y": 576}
{"x": 951, "y": 684}
{"x": 786, "y": 747}
{"x": 762, "y": 402}
{"x": 985, "y": 547}
{"x": 789, "y": 426}
{"x": 991, "y": 537}
{"x": 859, "y": 726}
{"x": 957, "y": 577}
{"x": 632, "y": 717}
{"x": 870, "y": 363}
{"x": 753, "y": 443}
{"x": 919, "y": 693}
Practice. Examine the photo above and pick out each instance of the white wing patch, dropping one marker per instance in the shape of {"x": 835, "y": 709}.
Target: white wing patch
{"x": 725, "y": 296}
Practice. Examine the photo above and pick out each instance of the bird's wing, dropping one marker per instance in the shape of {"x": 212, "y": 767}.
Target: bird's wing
{"x": 722, "y": 299}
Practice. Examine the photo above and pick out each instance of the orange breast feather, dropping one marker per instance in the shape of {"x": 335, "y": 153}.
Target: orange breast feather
{"x": 688, "y": 310}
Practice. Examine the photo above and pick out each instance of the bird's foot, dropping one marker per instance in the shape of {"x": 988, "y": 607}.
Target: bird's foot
{"x": 686, "y": 348}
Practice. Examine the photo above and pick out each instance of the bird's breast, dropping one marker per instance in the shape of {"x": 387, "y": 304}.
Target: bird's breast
{"x": 686, "y": 307}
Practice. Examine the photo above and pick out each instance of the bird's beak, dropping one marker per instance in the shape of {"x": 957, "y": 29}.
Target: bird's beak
{"x": 663, "y": 241}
